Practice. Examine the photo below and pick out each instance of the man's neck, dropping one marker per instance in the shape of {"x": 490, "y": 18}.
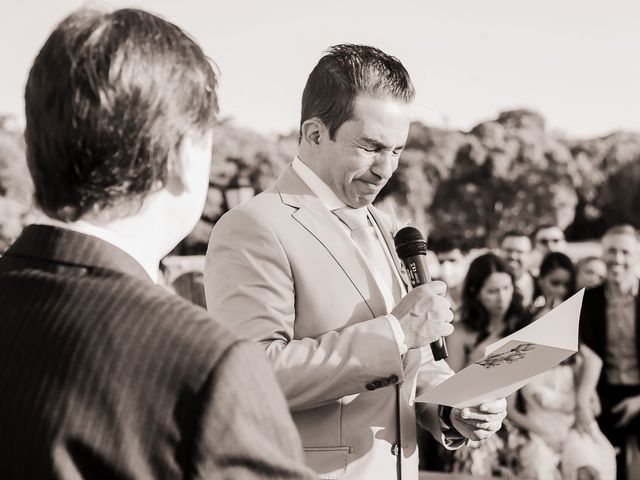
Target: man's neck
{"x": 624, "y": 286}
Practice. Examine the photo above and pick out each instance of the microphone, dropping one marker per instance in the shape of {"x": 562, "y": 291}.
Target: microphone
{"x": 411, "y": 248}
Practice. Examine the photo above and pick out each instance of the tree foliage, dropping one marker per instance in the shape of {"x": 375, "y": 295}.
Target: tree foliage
{"x": 506, "y": 173}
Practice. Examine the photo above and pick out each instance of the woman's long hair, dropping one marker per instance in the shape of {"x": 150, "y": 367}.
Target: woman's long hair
{"x": 474, "y": 316}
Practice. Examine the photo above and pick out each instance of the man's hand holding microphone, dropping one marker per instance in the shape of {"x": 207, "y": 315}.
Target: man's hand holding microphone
{"x": 425, "y": 317}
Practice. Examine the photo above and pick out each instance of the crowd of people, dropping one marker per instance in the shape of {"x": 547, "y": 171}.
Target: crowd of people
{"x": 555, "y": 424}
{"x": 314, "y": 343}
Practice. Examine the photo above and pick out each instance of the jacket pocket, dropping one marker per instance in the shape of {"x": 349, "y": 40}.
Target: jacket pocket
{"x": 329, "y": 462}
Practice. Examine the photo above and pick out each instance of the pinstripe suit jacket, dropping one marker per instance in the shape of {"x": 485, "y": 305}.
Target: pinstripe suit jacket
{"x": 104, "y": 375}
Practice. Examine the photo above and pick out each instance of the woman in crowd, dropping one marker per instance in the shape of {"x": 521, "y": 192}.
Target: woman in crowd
{"x": 558, "y": 407}
{"x": 490, "y": 310}
{"x": 590, "y": 272}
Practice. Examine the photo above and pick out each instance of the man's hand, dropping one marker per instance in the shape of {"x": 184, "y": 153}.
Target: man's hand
{"x": 629, "y": 408}
{"x": 424, "y": 314}
{"x": 481, "y": 421}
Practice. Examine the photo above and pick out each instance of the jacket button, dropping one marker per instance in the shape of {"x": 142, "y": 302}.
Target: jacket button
{"x": 378, "y": 383}
{"x": 370, "y": 386}
{"x": 393, "y": 378}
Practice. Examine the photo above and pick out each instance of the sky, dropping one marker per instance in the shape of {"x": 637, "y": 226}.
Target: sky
{"x": 575, "y": 62}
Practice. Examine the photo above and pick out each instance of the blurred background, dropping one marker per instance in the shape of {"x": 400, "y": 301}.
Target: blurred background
{"x": 525, "y": 114}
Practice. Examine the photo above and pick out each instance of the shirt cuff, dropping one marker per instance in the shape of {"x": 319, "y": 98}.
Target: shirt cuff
{"x": 451, "y": 438}
{"x": 398, "y": 334}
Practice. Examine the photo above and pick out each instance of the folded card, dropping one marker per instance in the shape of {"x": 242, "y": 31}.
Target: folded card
{"x": 511, "y": 362}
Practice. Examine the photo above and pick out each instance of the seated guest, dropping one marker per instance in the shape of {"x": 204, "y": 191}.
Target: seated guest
{"x": 104, "y": 374}
{"x": 555, "y": 283}
{"x": 515, "y": 250}
{"x": 452, "y": 256}
{"x": 558, "y": 412}
{"x": 590, "y": 272}
{"x": 610, "y": 326}
{"x": 490, "y": 310}
{"x": 548, "y": 238}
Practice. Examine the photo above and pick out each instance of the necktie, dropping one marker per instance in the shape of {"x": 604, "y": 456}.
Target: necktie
{"x": 364, "y": 235}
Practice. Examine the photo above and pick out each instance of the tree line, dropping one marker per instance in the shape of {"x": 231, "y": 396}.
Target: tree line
{"x": 507, "y": 173}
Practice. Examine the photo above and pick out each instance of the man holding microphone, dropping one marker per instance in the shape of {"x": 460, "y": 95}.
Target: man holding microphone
{"x": 307, "y": 269}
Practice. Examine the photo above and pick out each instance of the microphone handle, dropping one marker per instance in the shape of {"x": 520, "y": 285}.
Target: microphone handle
{"x": 418, "y": 272}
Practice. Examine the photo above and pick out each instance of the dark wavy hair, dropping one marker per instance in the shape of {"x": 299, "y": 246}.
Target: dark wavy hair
{"x": 553, "y": 261}
{"x": 108, "y": 101}
{"x": 345, "y": 72}
{"x": 474, "y": 316}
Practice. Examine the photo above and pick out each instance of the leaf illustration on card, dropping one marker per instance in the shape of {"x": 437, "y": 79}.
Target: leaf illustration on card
{"x": 510, "y": 356}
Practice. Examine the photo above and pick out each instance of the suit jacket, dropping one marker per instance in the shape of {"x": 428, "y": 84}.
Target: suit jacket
{"x": 593, "y": 322}
{"x": 108, "y": 376}
{"x": 281, "y": 270}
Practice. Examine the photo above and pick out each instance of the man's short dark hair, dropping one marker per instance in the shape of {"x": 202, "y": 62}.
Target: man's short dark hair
{"x": 449, "y": 243}
{"x": 513, "y": 233}
{"x": 108, "y": 101}
{"x": 345, "y": 72}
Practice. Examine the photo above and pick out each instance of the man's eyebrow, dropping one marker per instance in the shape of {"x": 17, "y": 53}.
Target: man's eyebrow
{"x": 378, "y": 144}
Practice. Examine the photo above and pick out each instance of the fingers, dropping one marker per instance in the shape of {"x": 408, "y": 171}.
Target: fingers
{"x": 495, "y": 406}
{"x": 624, "y": 420}
{"x": 620, "y": 407}
{"x": 437, "y": 287}
{"x": 475, "y": 417}
{"x": 626, "y": 409}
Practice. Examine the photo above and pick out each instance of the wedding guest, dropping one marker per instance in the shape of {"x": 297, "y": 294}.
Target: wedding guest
{"x": 515, "y": 250}
{"x": 590, "y": 272}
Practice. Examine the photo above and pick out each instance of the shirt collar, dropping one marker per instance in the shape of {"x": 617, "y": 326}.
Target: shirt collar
{"x": 632, "y": 292}
{"x": 149, "y": 265}
{"x": 317, "y": 185}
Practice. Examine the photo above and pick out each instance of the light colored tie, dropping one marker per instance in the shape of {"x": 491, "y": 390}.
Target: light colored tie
{"x": 364, "y": 235}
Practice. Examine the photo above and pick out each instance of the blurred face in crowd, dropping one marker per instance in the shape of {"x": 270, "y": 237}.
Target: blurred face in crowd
{"x": 516, "y": 252}
{"x": 550, "y": 240}
{"x": 496, "y": 294}
{"x": 621, "y": 255}
{"x": 453, "y": 267}
{"x": 591, "y": 273}
{"x": 364, "y": 153}
{"x": 555, "y": 285}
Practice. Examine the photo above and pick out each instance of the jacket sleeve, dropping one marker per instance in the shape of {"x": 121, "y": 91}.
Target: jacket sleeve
{"x": 250, "y": 287}
{"x": 430, "y": 417}
{"x": 245, "y": 429}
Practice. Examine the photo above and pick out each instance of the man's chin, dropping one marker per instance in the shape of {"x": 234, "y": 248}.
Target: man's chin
{"x": 361, "y": 201}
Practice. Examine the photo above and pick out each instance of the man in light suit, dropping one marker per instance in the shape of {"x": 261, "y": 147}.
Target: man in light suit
{"x": 307, "y": 268}
{"x": 104, "y": 374}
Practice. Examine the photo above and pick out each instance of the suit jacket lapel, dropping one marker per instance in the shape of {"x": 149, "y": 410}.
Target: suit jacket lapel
{"x": 388, "y": 238}
{"x": 313, "y": 215}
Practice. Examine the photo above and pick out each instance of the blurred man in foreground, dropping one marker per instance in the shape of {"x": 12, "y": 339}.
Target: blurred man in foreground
{"x": 308, "y": 269}
{"x": 104, "y": 374}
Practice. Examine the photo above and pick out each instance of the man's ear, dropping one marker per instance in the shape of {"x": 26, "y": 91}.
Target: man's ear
{"x": 191, "y": 157}
{"x": 313, "y": 131}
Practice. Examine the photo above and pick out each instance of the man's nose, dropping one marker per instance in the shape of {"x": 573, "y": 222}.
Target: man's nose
{"x": 384, "y": 165}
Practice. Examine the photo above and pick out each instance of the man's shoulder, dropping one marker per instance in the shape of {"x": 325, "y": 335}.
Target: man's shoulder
{"x": 175, "y": 316}
{"x": 596, "y": 293}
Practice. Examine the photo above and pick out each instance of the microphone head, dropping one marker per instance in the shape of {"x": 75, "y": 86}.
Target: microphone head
{"x": 409, "y": 242}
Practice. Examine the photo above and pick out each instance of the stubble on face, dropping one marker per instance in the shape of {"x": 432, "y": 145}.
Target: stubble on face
{"x": 364, "y": 153}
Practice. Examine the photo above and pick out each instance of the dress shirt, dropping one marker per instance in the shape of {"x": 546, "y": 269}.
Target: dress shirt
{"x": 621, "y": 362}
{"x": 330, "y": 200}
